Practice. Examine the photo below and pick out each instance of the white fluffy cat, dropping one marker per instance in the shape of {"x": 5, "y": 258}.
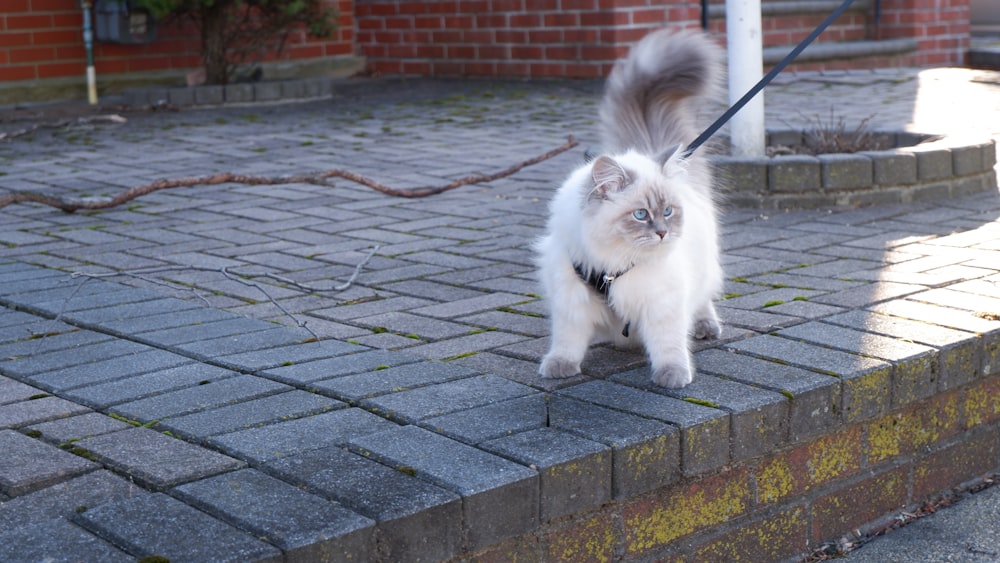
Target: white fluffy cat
{"x": 631, "y": 255}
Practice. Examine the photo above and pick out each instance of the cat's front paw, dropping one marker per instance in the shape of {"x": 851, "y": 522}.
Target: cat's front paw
{"x": 672, "y": 376}
{"x": 707, "y": 329}
{"x": 558, "y": 368}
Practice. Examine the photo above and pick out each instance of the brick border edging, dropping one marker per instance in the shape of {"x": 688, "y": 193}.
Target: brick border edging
{"x": 943, "y": 168}
{"x": 238, "y": 93}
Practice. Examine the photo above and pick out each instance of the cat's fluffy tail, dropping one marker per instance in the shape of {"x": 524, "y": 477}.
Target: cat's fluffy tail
{"x": 648, "y": 98}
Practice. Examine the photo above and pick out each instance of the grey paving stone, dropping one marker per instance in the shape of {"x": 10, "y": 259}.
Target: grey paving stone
{"x": 219, "y": 349}
{"x": 305, "y": 527}
{"x": 100, "y": 316}
{"x": 499, "y": 497}
{"x": 354, "y": 388}
{"x": 65, "y": 499}
{"x": 958, "y": 351}
{"x": 138, "y": 524}
{"x": 249, "y": 414}
{"x": 914, "y": 375}
{"x": 52, "y": 353}
{"x": 933, "y": 163}
{"x": 56, "y": 541}
{"x": 31, "y": 411}
{"x": 443, "y": 398}
{"x": 148, "y": 328}
{"x": 494, "y": 420}
{"x": 308, "y": 372}
{"x": 192, "y": 332}
{"x": 12, "y": 391}
{"x": 574, "y": 473}
{"x": 28, "y": 464}
{"x": 704, "y": 430}
{"x": 645, "y": 453}
{"x": 138, "y": 386}
{"x": 299, "y": 352}
{"x": 155, "y": 460}
{"x": 76, "y": 427}
{"x": 402, "y": 322}
{"x": 893, "y": 168}
{"x": 199, "y": 397}
{"x": 293, "y": 437}
{"x": 814, "y": 399}
{"x": 862, "y": 296}
{"x": 464, "y": 345}
{"x": 759, "y": 420}
{"x": 470, "y": 305}
{"x": 118, "y": 367}
{"x": 111, "y": 297}
{"x": 417, "y": 520}
{"x": 845, "y": 171}
{"x": 866, "y": 383}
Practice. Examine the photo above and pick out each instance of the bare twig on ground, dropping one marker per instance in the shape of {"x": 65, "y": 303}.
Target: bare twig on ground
{"x": 71, "y": 205}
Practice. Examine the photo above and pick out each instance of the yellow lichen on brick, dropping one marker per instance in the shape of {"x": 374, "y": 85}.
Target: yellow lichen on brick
{"x": 883, "y": 438}
{"x": 774, "y": 480}
{"x": 684, "y": 512}
{"x": 976, "y": 404}
{"x": 832, "y": 457}
{"x": 648, "y": 456}
{"x": 592, "y": 540}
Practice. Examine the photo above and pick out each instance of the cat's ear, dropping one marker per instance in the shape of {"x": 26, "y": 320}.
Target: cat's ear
{"x": 608, "y": 175}
{"x": 664, "y": 157}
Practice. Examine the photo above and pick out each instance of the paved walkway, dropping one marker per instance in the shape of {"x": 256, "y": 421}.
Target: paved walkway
{"x": 427, "y": 361}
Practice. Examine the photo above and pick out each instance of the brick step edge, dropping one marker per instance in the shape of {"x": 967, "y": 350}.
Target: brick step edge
{"x": 945, "y": 168}
{"x": 843, "y": 50}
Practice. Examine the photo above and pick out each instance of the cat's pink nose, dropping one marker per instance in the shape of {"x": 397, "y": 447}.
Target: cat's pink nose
{"x": 662, "y": 234}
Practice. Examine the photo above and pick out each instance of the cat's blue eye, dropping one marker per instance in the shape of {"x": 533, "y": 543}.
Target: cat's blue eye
{"x": 640, "y": 214}
{"x": 668, "y": 212}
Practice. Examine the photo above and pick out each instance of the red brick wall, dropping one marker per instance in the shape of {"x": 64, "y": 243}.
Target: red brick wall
{"x": 574, "y": 38}
{"x": 42, "y": 39}
{"x": 940, "y": 26}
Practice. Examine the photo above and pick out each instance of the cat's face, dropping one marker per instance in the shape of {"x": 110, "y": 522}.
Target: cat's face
{"x": 634, "y": 203}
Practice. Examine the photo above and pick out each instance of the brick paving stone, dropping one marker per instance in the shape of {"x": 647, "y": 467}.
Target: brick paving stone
{"x": 770, "y": 297}
{"x": 305, "y": 527}
{"x": 759, "y": 420}
{"x": 155, "y": 460}
{"x": 248, "y": 414}
{"x": 353, "y": 388}
{"x": 869, "y": 294}
{"x": 308, "y": 372}
{"x": 574, "y": 473}
{"x": 499, "y": 497}
{"x": 645, "y": 453}
{"x": 404, "y": 322}
{"x": 347, "y": 312}
{"x": 12, "y": 391}
{"x": 417, "y": 520}
{"x": 187, "y": 333}
{"x": 31, "y": 411}
{"x": 431, "y": 290}
{"x": 148, "y": 328}
{"x": 958, "y": 350}
{"x": 704, "y": 430}
{"x": 814, "y": 399}
{"x": 55, "y": 352}
{"x": 443, "y": 398}
{"x": 137, "y": 525}
{"x": 75, "y": 427}
{"x": 57, "y": 541}
{"x": 293, "y": 437}
{"x": 458, "y": 347}
{"x": 100, "y": 300}
{"x": 914, "y": 375}
{"x": 491, "y": 421}
{"x": 287, "y": 355}
{"x": 28, "y": 464}
{"x": 199, "y": 397}
{"x": 155, "y": 382}
{"x": 218, "y": 349}
{"x": 866, "y": 383}
{"x": 125, "y": 365}
{"x": 101, "y": 316}
{"x": 65, "y": 499}
{"x": 468, "y": 306}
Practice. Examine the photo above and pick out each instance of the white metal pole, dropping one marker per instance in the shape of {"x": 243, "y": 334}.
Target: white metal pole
{"x": 744, "y": 40}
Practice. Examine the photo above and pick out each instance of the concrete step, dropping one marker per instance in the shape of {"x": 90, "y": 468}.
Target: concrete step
{"x": 984, "y": 52}
{"x": 818, "y": 52}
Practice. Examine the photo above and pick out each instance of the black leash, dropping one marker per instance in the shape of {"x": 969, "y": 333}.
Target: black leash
{"x": 713, "y": 128}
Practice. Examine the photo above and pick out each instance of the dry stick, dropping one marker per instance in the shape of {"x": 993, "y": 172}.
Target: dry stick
{"x": 71, "y": 205}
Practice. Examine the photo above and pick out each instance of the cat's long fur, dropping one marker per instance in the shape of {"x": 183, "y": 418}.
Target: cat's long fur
{"x": 666, "y": 256}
